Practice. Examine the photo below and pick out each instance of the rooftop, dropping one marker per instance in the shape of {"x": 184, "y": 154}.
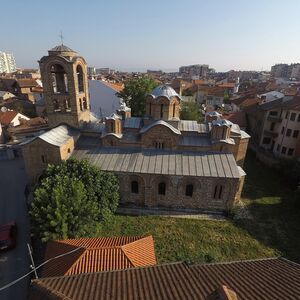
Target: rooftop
{"x": 98, "y": 254}
{"x": 164, "y": 91}
{"x": 160, "y": 162}
{"x": 268, "y": 279}
{"x": 61, "y": 48}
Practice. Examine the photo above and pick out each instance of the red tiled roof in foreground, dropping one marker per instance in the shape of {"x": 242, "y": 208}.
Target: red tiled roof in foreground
{"x": 7, "y": 117}
{"x": 98, "y": 254}
{"x": 268, "y": 279}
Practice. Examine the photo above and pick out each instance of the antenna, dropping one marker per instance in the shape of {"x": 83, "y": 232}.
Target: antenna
{"x": 61, "y": 38}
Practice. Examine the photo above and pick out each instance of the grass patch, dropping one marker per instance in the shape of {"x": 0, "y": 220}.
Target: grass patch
{"x": 190, "y": 240}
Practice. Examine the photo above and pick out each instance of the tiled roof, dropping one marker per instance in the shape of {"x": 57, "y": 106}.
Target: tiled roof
{"x": 7, "y": 117}
{"x": 118, "y": 87}
{"x": 98, "y": 254}
{"x": 272, "y": 279}
{"x": 27, "y": 82}
{"x": 162, "y": 123}
{"x": 267, "y": 279}
{"x": 164, "y": 91}
{"x": 238, "y": 117}
{"x": 170, "y": 281}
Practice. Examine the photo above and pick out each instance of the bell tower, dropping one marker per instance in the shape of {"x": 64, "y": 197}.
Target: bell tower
{"x": 64, "y": 76}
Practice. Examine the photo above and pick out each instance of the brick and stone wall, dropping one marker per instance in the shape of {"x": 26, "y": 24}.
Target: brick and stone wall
{"x": 175, "y": 197}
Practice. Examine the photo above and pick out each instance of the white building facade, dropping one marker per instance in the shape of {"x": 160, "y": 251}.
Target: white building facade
{"x": 7, "y": 63}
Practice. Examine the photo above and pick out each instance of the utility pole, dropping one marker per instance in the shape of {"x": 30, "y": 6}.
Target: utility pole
{"x": 32, "y": 262}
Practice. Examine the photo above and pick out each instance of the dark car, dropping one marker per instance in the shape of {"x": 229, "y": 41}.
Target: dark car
{"x": 8, "y": 236}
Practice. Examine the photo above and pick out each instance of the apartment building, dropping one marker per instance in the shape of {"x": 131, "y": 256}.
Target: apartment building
{"x": 7, "y": 63}
{"x": 275, "y": 126}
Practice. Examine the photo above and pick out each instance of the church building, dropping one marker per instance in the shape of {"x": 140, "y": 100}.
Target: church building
{"x": 160, "y": 160}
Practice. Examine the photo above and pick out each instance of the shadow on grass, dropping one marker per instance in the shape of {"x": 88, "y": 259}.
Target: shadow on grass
{"x": 275, "y": 208}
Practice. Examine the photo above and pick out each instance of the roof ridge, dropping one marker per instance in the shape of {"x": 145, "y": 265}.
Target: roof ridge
{"x": 113, "y": 271}
{"x": 238, "y": 261}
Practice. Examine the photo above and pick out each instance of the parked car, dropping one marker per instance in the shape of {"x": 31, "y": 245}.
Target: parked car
{"x": 8, "y": 236}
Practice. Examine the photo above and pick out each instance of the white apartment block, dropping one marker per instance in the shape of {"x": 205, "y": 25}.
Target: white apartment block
{"x": 7, "y": 63}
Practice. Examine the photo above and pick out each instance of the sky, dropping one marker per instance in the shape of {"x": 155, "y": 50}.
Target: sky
{"x": 135, "y": 35}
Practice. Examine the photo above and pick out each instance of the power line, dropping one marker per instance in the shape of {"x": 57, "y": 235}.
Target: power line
{"x": 34, "y": 270}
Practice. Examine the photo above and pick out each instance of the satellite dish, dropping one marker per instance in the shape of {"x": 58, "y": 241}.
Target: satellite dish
{"x": 3, "y": 109}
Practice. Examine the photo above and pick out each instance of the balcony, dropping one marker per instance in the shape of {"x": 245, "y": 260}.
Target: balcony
{"x": 274, "y": 119}
{"x": 270, "y": 133}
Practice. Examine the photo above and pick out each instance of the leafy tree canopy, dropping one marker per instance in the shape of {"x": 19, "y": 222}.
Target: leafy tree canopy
{"x": 134, "y": 94}
{"x": 190, "y": 111}
{"x": 72, "y": 199}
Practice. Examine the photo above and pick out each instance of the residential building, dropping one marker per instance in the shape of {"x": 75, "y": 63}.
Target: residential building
{"x": 194, "y": 71}
{"x": 103, "y": 99}
{"x": 275, "y": 126}
{"x": 91, "y": 71}
{"x": 268, "y": 279}
{"x": 11, "y": 118}
{"x": 7, "y": 63}
{"x": 160, "y": 160}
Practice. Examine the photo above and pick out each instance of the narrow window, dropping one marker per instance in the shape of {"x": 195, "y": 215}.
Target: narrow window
{"x": 161, "y": 111}
{"x": 293, "y": 116}
{"x": 286, "y": 114}
{"x": 84, "y": 103}
{"x": 296, "y": 133}
{"x": 218, "y": 191}
{"x": 55, "y": 105}
{"x": 272, "y": 126}
{"x": 43, "y": 159}
{"x": 111, "y": 127}
{"x": 282, "y": 130}
{"x": 278, "y": 148}
{"x": 69, "y": 150}
{"x": 80, "y": 104}
{"x": 150, "y": 109}
{"x": 189, "y": 190}
{"x": 67, "y": 105}
{"x": 298, "y": 120}
{"x": 174, "y": 107}
{"x": 161, "y": 188}
{"x": 283, "y": 150}
{"x": 134, "y": 187}
{"x": 80, "y": 78}
{"x": 288, "y": 132}
{"x": 290, "y": 151}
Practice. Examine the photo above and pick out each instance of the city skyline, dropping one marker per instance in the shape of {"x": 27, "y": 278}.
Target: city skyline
{"x": 134, "y": 37}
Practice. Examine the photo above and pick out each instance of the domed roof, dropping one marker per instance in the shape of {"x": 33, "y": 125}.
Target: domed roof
{"x": 164, "y": 91}
{"x": 62, "y": 48}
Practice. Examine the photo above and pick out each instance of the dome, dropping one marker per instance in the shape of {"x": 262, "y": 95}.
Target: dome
{"x": 164, "y": 91}
{"x": 62, "y": 48}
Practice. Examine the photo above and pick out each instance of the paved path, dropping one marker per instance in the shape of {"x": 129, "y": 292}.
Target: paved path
{"x": 14, "y": 263}
{"x": 169, "y": 213}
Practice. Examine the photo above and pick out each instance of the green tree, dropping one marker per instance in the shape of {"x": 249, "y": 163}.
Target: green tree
{"x": 134, "y": 94}
{"x": 190, "y": 111}
{"x": 72, "y": 199}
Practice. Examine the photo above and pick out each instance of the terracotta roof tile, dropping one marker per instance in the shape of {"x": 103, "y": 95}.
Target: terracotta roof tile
{"x": 7, "y": 117}
{"x": 118, "y": 87}
{"x": 268, "y": 279}
{"x": 98, "y": 254}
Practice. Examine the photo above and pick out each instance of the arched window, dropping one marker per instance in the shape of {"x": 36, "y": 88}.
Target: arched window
{"x": 59, "y": 79}
{"x": 80, "y": 104}
{"x": 218, "y": 191}
{"x": 56, "y": 105}
{"x": 134, "y": 187}
{"x": 189, "y": 189}
{"x": 84, "y": 103}
{"x": 161, "y": 188}
{"x": 80, "y": 78}
{"x": 174, "y": 108}
{"x": 161, "y": 111}
{"x": 112, "y": 127}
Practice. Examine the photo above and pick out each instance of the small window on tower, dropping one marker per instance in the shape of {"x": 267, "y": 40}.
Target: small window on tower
{"x": 84, "y": 103}
{"x": 80, "y": 78}
{"x": 67, "y": 105}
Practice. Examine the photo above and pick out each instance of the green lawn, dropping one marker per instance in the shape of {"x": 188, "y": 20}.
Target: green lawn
{"x": 273, "y": 231}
